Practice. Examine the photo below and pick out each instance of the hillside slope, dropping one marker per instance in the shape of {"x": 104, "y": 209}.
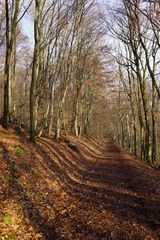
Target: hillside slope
{"x": 75, "y": 190}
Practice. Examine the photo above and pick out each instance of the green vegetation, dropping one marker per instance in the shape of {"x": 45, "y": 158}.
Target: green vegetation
{"x": 19, "y": 151}
{"x": 8, "y": 219}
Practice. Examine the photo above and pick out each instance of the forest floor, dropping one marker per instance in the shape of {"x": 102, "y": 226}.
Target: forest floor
{"x": 75, "y": 190}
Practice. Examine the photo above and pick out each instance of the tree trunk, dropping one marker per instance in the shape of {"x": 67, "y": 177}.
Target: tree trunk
{"x": 11, "y": 27}
{"x": 35, "y": 71}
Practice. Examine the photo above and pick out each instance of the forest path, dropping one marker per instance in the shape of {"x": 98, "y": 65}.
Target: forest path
{"x": 115, "y": 196}
{"x": 76, "y": 190}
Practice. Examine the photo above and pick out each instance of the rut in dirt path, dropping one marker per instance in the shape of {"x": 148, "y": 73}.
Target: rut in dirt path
{"x": 110, "y": 180}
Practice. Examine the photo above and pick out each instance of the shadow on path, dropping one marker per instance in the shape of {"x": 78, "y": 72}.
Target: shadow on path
{"x": 130, "y": 205}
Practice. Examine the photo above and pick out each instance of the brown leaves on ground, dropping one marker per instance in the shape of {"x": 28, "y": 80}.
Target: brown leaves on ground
{"x": 75, "y": 190}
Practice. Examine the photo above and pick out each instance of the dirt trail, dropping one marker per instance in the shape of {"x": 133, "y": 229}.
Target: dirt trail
{"x": 119, "y": 197}
{"x": 80, "y": 191}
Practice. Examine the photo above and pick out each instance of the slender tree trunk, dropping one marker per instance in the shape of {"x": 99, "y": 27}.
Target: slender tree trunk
{"x": 13, "y": 81}
{"x": 11, "y": 27}
{"x": 60, "y": 113}
{"x": 7, "y": 70}
{"x": 76, "y": 118}
{"x": 154, "y": 144}
{"x": 35, "y": 72}
{"x": 51, "y": 107}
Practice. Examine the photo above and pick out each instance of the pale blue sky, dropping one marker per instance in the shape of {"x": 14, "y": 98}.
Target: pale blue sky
{"x": 27, "y": 24}
{"x": 27, "y": 27}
